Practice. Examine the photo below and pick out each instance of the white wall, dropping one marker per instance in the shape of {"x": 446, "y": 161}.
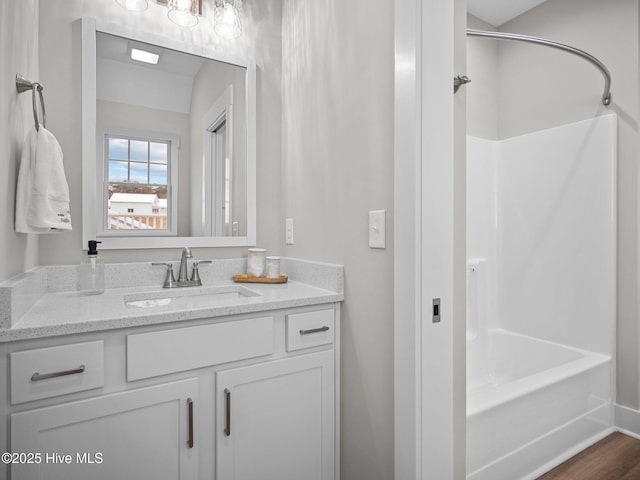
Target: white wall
{"x": 60, "y": 73}
{"x": 541, "y": 88}
{"x": 18, "y": 54}
{"x": 337, "y": 164}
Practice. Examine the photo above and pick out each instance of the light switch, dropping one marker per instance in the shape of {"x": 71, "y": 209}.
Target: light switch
{"x": 288, "y": 231}
{"x": 377, "y": 230}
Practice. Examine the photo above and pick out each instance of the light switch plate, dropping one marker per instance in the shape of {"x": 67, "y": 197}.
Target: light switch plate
{"x": 288, "y": 231}
{"x": 377, "y": 230}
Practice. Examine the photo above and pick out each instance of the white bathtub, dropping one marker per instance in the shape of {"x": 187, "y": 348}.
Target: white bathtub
{"x": 531, "y": 404}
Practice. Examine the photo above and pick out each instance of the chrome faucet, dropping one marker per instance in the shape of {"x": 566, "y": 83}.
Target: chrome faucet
{"x": 182, "y": 273}
{"x": 183, "y": 278}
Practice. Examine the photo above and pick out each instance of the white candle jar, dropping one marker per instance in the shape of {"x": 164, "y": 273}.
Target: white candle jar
{"x": 273, "y": 267}
{"x": 256, "y": 262}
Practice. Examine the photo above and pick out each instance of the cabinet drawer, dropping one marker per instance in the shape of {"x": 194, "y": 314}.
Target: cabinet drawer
{"x": 179, "y": 349}
{"x": 310, "y": 329}
{"x": 48, "y": 372}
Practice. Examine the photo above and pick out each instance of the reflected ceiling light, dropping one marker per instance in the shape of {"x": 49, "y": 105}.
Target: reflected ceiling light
{"x": 227, "y": 18}
{"x": 184, "y": 12}
{"x": 144, "y": 56}
{"x": 133, "y": 5}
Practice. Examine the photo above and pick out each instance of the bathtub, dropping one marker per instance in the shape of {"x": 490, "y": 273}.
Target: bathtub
{"x": 531, "y": 404}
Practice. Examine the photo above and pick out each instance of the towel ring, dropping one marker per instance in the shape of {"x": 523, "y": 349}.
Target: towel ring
{"x": 22, "y": 85}
{"x": 38, "y": 87}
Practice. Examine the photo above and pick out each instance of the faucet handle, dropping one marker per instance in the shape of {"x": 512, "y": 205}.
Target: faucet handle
{"x": 169, "y": 280}
{"x": 195, "y": 274}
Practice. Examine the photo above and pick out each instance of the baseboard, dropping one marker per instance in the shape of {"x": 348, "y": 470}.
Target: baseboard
{"x": 627, "y": 420}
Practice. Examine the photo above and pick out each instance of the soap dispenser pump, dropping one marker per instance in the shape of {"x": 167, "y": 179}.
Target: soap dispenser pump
{"x": 91, "y": 274}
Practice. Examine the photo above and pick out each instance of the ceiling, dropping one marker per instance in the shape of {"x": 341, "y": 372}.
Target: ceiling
{"x": 165, "y": 86}
{"x": 497, "y": 12}
{"x": 171, "y": 61}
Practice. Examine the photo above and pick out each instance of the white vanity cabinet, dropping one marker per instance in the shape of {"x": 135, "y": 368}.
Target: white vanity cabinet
{"x": 249, "y": 396}
{"x": 276, "y": 420}
{"x": 146, "y": 433}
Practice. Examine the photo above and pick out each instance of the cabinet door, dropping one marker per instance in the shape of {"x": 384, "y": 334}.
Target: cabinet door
{"x": 138, "y": 434}
{"x": 276, "y": 420}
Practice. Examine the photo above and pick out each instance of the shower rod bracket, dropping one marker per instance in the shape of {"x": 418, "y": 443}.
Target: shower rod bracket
{"x": 606, "y": 95}
{"x": 459, "y": 81}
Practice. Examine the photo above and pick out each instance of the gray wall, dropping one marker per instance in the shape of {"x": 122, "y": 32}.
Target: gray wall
{"x": 60, "y": 73}
{"x": 483, "y": 91}
{"x": 18, "y": 54}
{"x": 337, "y": 164}
{"x": 541, "y": 88}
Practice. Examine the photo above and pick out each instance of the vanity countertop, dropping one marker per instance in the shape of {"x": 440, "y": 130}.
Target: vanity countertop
{"x": 67, "y": 312}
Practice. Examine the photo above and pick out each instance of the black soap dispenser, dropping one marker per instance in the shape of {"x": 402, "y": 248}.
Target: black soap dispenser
{"x": 91, "y": 273}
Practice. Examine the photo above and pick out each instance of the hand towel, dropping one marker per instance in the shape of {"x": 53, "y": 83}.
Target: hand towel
{"x": 42, "y": 194}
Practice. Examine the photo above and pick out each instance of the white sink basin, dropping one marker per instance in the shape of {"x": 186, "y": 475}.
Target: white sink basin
{"x": 192, "y": 297}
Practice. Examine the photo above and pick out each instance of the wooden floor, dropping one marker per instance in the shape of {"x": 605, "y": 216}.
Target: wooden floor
{"x": 616, "y": 457}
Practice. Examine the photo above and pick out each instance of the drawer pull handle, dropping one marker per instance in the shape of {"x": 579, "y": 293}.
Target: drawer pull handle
{"x": 190, "y": 405}
{"x": 43, "y": 376}
{"x": 227, "y": 427}
{"x": 314, "y": 330}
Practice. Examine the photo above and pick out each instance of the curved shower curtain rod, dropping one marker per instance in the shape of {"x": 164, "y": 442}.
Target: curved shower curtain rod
{"x": 606, "y": 96}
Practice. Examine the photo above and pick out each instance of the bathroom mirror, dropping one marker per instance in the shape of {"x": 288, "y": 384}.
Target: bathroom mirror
{"x": 168, "y": 142}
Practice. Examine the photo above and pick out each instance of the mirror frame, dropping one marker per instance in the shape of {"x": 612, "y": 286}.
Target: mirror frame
{"x": 90, "y": 207}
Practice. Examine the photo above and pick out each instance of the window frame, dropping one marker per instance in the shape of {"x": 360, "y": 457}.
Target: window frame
{"x": 102, "y": 180}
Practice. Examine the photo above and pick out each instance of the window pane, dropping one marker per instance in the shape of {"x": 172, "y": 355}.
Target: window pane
{"x": 118, "y": 148}
{"x": 158, "y": 174}
{"x": 118, "y": 171}
{"x": 158, "y": 152}
{"x": 139, "y": 173}
{"x": 139, "y": 151}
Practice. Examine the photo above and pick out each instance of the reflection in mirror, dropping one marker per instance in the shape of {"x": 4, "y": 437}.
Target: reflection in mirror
{"x": 174, "y": 161}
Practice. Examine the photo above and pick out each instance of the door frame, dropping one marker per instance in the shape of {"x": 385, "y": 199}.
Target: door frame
{"x": 430, "y": 240}
{"x": 220, "y": 114}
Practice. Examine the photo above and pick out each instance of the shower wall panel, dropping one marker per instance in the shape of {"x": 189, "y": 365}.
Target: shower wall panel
{"x": 557, "y": 201}
{"x": 543, "y": 214}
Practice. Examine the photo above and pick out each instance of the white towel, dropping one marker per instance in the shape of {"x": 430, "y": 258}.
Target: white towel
{"x": 42, "y": 194}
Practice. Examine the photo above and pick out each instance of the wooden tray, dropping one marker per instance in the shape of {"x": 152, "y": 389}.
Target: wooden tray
{"x": 244, "y": 278}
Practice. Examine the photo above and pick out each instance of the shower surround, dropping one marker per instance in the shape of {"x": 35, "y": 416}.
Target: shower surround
{"x": 541, "y": 288}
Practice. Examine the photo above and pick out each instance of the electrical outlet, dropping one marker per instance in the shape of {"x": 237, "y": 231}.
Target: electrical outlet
{"x": 377, "y": 230}
{"x": 288, "y": 231}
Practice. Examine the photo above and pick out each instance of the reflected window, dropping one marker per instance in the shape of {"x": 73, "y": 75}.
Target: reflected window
{"x": 137, "y": 190}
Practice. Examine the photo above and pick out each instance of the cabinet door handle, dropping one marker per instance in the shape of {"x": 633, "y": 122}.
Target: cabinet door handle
{"x": 36, "y": 377}
{"x": 190, "y": 407}
{"x": 227, "y": 427}
{"x": 314, "y": 330}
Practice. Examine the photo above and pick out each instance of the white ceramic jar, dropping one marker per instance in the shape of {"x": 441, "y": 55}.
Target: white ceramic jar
{"x": 256, "y": 262}
{"x": 273, "y": 267}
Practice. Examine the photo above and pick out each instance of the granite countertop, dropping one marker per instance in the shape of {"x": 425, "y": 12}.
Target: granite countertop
{"x": 65, "y": 312}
